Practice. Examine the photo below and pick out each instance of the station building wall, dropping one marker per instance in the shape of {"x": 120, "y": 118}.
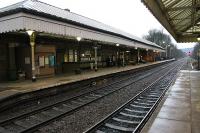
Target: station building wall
{"x": 57, "y": 56}
{"x": 23, "y": 60}
{"x": 45, "y": 57}
{"x": 147, "y": 55}
{"x": 3, "y": 61}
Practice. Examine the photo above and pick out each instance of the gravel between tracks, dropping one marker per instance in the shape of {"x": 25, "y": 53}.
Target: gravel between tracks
{"x": 87, "y": 116}
{"x": 29, "y": 106}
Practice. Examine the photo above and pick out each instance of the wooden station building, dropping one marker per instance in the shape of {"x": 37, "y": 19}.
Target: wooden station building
{"x": 41, "y": 40}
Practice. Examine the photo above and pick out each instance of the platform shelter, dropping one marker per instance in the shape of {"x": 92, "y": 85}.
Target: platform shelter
{"x": 41, "y": 40}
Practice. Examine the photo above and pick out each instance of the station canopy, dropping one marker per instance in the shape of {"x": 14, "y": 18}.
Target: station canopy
{"x": 180, "y": 17}
{"x": 44, "y": 18}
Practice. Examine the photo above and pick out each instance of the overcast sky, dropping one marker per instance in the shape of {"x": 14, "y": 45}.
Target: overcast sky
{"x": 128, "y": 15}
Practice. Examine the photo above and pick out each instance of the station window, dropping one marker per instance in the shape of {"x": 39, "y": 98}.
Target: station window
{"x": 75, "y": 56}
{"x": 46, "y": 60}
{"x": 71, "y": 55}
{"x": 66, "y": 57}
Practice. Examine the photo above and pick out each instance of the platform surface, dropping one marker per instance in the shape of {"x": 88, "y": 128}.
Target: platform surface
{"x": 8, "y": 89}
{"x": 179, "y": 112}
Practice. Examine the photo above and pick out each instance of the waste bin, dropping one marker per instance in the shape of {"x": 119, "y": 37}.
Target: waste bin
{"x": 77, "y": 71}
{"x": 92, "y": 66}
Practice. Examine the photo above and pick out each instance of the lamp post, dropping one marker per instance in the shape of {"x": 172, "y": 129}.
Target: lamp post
{"x": 138, "y": 54}
{"x": 32, "y": 43}
{"x": 95, "y": 57}
{"x": 79, "y": 51}
{"x": 123, "y": 60}
{"x": 118, "y": 55}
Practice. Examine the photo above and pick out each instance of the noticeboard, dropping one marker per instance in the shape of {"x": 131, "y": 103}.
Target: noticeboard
{"x": 51, "y": 60}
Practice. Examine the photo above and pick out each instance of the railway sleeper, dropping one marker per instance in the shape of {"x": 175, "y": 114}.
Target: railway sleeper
{"x": 51, "y": 113}
{"x": 14, "y": 128}
{"x": 129, "y": 118}
{"x": 39, "y": 117}
{"x": 95, "y": 95}
{"x": 126, "y": 129}
{"x": 106, "y": 129}
{"x": 83, "y": 100}
{"x": 131, "y": 115}
{"x": 126, "y": 121}
{"x": 152, "y": 96}
{"x": 90, "y": 97}
{"x": 3, "y": 130}
{"x": 143, "y": 103}
{"x": 145, "y": 100}
{"x": 138, "y": 115}
{"x": 70, "y": 105}
{"x": 148, "y": 98}
{"x": 135, "y": 111}
{"x": 77, "y": 102}
{"x": 25, "y": 123}
{"x": 140, "y": 106}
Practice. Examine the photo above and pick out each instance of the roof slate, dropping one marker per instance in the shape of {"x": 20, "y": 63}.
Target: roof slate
{"x": 44, "y": 8}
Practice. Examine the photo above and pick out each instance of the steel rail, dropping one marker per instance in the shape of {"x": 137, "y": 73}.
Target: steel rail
{"x": 75, "y": 97}
{"x": 148, "y": 114}
{"x": 35, "y": 127}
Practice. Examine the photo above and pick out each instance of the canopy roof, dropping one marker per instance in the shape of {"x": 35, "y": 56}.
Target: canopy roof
{"x": 38, "y": 8}
{"x": 180, "y": 17}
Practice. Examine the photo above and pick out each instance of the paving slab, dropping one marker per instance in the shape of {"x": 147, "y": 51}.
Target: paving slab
{"x": 196, "y": 110}
{"x": 179, "y": 112}
{"x": 175, "y": 113}
{"x": 179, "y": 95}
{"x": 177, "y": 102}
{"x": 195, "y": 126}
{"x": 170, "y": 126}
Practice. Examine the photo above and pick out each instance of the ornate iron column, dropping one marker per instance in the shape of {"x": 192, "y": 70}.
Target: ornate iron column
{"x": 95, "y": 57}
{"x": 32, "y": 43}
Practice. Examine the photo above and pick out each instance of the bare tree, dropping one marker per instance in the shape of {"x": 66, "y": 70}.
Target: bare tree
{"x": 158, "y": 37}
{"x": 164, "y": 40}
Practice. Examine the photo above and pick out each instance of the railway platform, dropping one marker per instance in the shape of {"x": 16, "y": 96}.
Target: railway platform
{"x": 9, "y": 89}
{"x": 179, "y": 111}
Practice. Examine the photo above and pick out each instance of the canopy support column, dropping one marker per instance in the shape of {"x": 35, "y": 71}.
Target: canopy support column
{"x": 32, "y": 44}
{"x": 95, "y": 58}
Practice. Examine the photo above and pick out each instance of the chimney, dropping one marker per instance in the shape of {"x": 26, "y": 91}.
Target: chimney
{"x": 67, "y": 9}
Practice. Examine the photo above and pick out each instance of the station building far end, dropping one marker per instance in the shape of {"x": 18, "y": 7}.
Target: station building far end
{"x": 40, "y": 40}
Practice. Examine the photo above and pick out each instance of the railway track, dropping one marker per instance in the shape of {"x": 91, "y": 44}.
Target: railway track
{"x": 132, "y": 116}
{"x": 80, "y": 87}
{"x": 31, "y": 121}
